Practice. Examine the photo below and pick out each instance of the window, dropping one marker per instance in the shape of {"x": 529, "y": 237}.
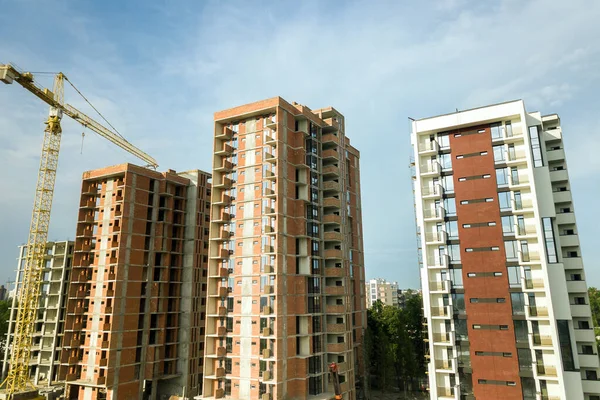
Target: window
{"x": 509, "y": 131}
{"x": 514, "y": 176}
{"x": 521, "y": 331}
{"x": 454, "y": 253}
{"x": 452, "y": 229}
{"x": 502, "y": 177}
{"x": 458, "y": 303}
{"x": 456, "y": 278}
{"x": 587, "y": 349}
{"x": 514, "y": 276}
{"x": 584, "y": 325}
{"x": 591, "y": 375}
{"x": 448, "y": 183}
{"x": 564, "y": 338}
{"x": 446, "y": 161}
{"x": 525, "y": 359}
{"x": 504, "y": 201}
{"x": 508, "y": 225}
{"x": 444, "y": 141}
{"x": 511, "y": 249}
{"x": 549, "y": 238}
{"x": 499, "y": 153}
{"x": 496, "y": 130}
{"x": 518, "y": 303}
{"x": 535, "y": 146}
{"x": 450, "y": 206}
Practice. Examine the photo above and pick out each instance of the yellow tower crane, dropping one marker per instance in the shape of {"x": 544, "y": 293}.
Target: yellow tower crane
{"x": 29, "y": 291}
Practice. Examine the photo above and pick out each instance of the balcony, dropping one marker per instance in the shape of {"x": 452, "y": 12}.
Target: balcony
{"x": 441, "y": 312}
{"x": 576, "y": 287}
{"x": 529, "y": 257}
{"x": 225, "y": 134}
{"x": 336, "y": 347}
{"x": 271, "y": 124}
{"x": 220, "y": 372}
{"x": 555, "y": 155}
{"x": 432, "y": 192}
{"x": 333, "y": 254}
{"x": 271, "y": 140}
{"x": 221, "y": 331}
{"x": 537, "y": 311}
{"x": 436, "y": 238}
{"x": 222, "y": 311}
{"x": 330, "y": 154}
{"x": 434, "y": 214}
{"x": 335, "y": 309}
{"x": 266, "y": 376}
{"x": 544, "y": 370}
{"x": 336, "y": 328}
{"x": 438, "y": 262}
{"x": 588, "y": 360}
{"x": 444, "y": 365}
{"x": 428, "y": 147}
{"x": 331, "y": 170}
{"x": 266, "y": 310}
{"x": 333, "y": 236}
{"x": 565, "y": 218}
{"x": 523, "y": 206}
{"x": 225, "y": 184}
{"x": 267, "y": 192}
{"x": 222, "y": 218}
{"x": 442, "y": 338}
{"x": 267, "y": 174}
{"x": 430, "y": 169}
{"x": 223, "y": 272}
{"x": 267, "y": 289}
{"x": 562, "y": 197}
{"x": 440, "y": 286}
{"x": 518, "y": 182}
{"x": 335, "y": 290}
{"x": 221, "y": 351}
{"x": 267, "y": 331}
{"x": 534, "y": 284}
{"x": 541, "y": 340}
{"x": 515, "y": 158}
{"x": 225, "y": 150}
{"x": 573, "y": 263}
{"x": 331, "y": 185}
{"x": 268, "y": 249}
{"x": 332, "y": 202}
{"x": 332, "y": 219}
{"x": 334, "y": 272}
{"x": 584, "y": 335}
{"x": 266, "y": 353}
{"x": 580, "y": 310}
{"x": 569, "y": 240}
{"x": 445, "y": 392}
{"x": 559, "y": 175}
{"x": 329, "y": 138}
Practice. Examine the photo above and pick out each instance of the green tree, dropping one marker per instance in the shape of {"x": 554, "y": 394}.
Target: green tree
{"x": 4, "y": 316}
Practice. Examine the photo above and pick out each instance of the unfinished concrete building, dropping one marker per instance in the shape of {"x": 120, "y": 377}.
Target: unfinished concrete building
{"x": 134, "y": 329}
{"x": 286, "y": 275}
{"x": 48, "y": 331}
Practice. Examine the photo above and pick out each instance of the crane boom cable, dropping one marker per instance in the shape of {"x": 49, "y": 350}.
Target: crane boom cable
{"x": 95, "y": 109}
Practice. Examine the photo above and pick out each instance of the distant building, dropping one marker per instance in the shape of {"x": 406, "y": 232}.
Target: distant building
{"x": 405, "y": 294}
{"x": 47, "y": 333}
{"x": 3, "y": 293}
{"x": 380, "y": 289}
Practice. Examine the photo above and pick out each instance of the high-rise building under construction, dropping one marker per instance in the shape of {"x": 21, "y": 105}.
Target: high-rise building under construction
{"x": 134, "y": 324}
{"x": 286, "y": 276}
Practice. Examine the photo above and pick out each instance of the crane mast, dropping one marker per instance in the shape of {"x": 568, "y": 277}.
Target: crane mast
{"x": 28, "y": 293}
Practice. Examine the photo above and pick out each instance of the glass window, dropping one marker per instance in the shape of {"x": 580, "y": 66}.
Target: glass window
{"x": 499, "y": 153}
{"x": 504, "y": 201}
{"x": 456, "y": 278}
{"x": 535, "y": 146}
{"x": 448, "y": 183}
{"x": 549, "y": 237}
{"x": 450, "y": 206}
{"x": 460, "y": 327}
{"x": 444, "y": 141}
{"x": 564, "y": 338}
{"x": 502, "y": 177}
{"x": 458, "y": 303}
{"x": 514, "y": 276}
{"x": 518, "y": 303}
{"x": 521, "y": 331}
{"x": 452, "y": 229}
{"x": 511, "y": 249}
{"x": 454, "y": 253}
{"x": 525, "y": 359}
{"x": 525, "y": 250}
{"x": 446, "y": 161}
{"x": 496, "y": 130}
{"x": 509, "y": 131}
{"x": 514, "y": 175}
{"x": 518, "y": 201}
{"x": 508, "y": 224}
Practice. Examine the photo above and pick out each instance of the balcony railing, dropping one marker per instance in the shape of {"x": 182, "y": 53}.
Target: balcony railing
{"x": 541, "y": 340}
{"x": 431, "y": 168}
{"x": 432, "y": 191}
{"x": 429, "y": 146}
{"x": 546, "y": 370}
{"x": 440, "y": 311}
{"x": 534, "y": 283}
{"x": 434, "y": 213}
{"x": 435, "y": 237}
{"x": 537, "y": 311}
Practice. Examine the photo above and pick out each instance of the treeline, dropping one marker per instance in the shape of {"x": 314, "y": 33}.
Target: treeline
{"x": 394, "y": 345}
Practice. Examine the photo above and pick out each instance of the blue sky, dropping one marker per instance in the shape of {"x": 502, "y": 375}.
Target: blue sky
{"x": 159, "y": 69}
